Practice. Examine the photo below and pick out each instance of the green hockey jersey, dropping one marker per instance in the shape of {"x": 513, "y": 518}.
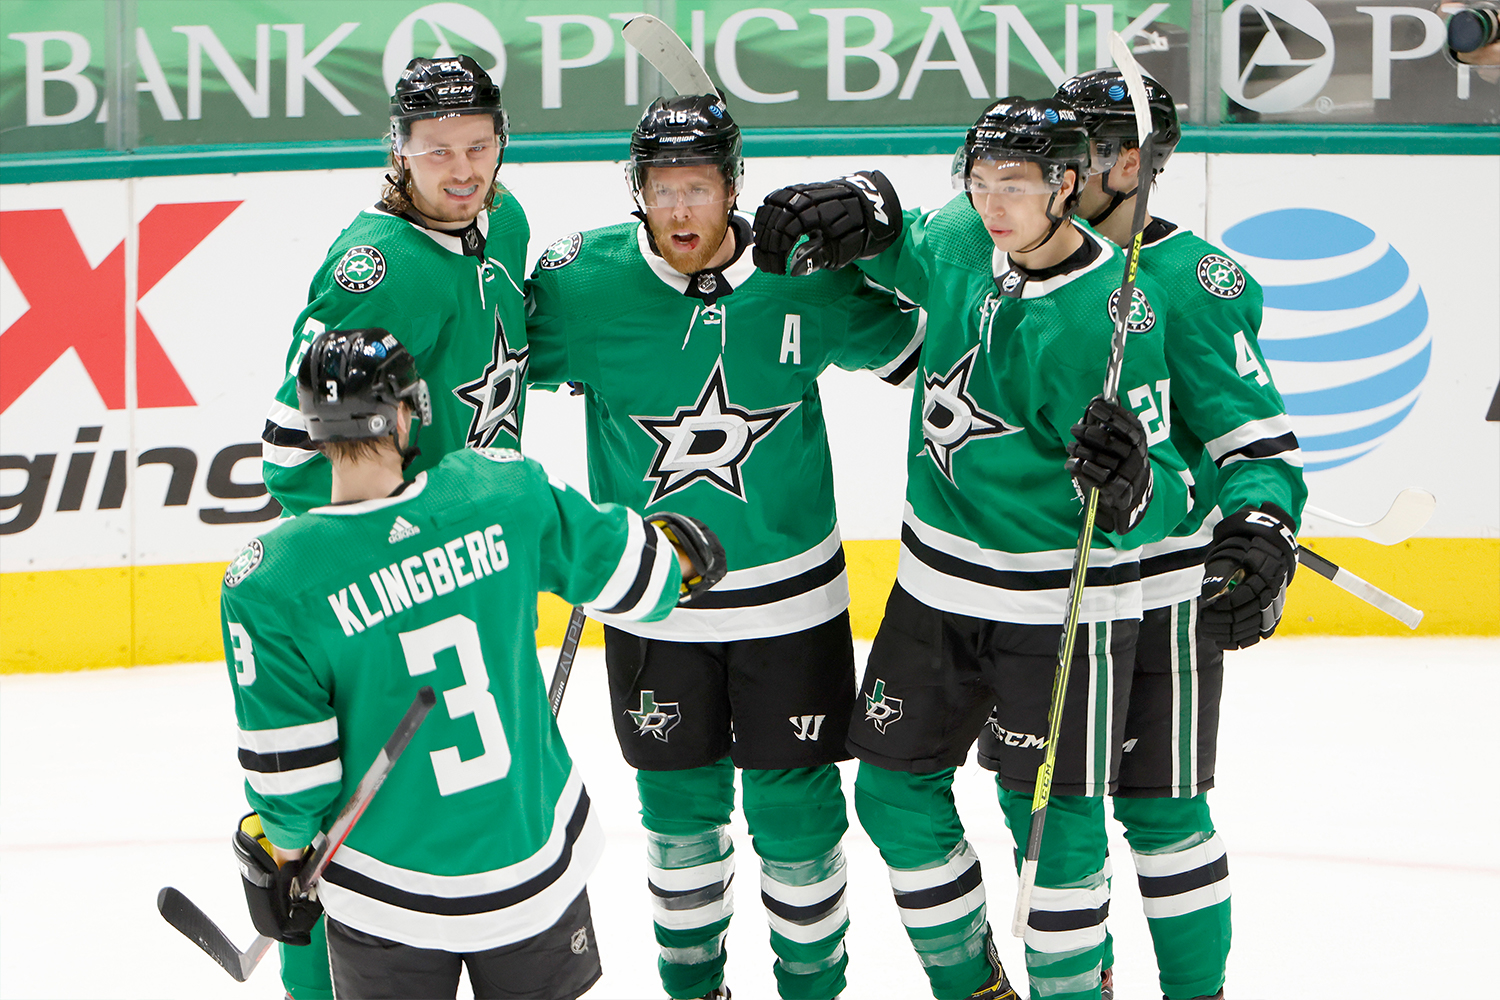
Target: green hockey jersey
{"x": 713, "y": 410}
{"x": 1009, "y": 364}
{"x": 482, "y": 834}
{"x": 1227, "y": 419}
{"x": 454, "y": 300}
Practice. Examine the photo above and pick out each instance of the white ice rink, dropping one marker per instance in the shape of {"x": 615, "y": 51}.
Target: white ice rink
{"x": 1356, "y": 795}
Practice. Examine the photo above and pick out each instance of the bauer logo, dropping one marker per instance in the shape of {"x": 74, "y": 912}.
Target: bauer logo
{"x": 1345, "y": 328}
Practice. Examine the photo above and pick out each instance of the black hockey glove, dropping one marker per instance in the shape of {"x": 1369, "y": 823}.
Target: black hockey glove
{"x": 268, "y": 889}
{"x": 700, "y": 545}
{"x": 1258, "y": 548}
{"x": 855, "y": 216}
{"x": 1109, "y": 452}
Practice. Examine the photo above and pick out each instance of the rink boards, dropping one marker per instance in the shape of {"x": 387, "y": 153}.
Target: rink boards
{"x": 143, "y": 325}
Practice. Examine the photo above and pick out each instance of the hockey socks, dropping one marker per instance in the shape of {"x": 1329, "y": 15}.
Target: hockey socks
{"x": 1065, "y": 935}
{"x": 796, "y": 819}
{"x": 934, "y": 873}
{"x": 1184, "y": 878}
{"x": 304, "y": 968}
{"x": 690, "y": 860}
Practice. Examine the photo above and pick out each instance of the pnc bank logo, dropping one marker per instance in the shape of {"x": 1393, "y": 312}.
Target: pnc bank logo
{"x": 1276, "y": 54}
{"x": 71, "y": 304}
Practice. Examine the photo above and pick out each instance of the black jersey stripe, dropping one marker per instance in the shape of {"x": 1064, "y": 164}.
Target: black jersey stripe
{"x": 1262, "y": 448}
{"x": 1171, "y": 562}
{"x": 922, "y": 899}
{"x": 1014, "y": 579}
{"x": 904, "y": 370}
{"x": 792, "y": 586}
{"x": 286, "y": 437}
{"x": 288, "y": 760}
{"x": 1158, "y": 886}
{"x": 1067, "y": 920}
{"x": 802, "y": 914}
{"x": 642, "y": 576}
{"x": 462, "y": 906}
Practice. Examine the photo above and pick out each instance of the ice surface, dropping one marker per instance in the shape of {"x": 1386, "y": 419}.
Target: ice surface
{"x": 1352, "y": 797}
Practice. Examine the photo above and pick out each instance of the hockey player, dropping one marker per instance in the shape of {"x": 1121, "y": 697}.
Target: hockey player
{"x": 699, "y": 376}
{"x": 1019, "y": 303}
{"x": 476, "y": 850}
{"x": 1228, "y": 423}
{"x": 439, "y": 260}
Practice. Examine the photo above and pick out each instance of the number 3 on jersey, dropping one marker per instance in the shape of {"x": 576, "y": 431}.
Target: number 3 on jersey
{"x": 472, "y": 697}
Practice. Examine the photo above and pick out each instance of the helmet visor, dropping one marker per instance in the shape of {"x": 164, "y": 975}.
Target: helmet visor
{"x": 655, "y": 184}
{"x": 483, "y": 153}
{"x": 1002, "y": 178}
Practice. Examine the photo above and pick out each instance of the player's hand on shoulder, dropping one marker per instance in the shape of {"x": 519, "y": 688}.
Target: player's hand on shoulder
{"x": 827, "y": 225}
{"x": 698, "y": 547}
{"x": 268, "y": 887}
{"x": 1109, "y": 452}
{"x": 1245, "y": 576}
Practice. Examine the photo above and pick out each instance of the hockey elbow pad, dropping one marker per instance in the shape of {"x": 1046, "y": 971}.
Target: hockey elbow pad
{"x": 699, "y": 545}
{"x": 1245, "y": 575}
{"x": 268, "y": 888}
{"x": 828, "y": 225}
{"x": 1109, "y": 453}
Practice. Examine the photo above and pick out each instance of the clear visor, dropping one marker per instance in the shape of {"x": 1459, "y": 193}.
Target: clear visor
{"x": 1105, "y": 153}
{"x": 1000, "y": 178}
{"x": 420, "y": 400}
{"x": 663, "y": 187}
{"x": 486, "y": 151}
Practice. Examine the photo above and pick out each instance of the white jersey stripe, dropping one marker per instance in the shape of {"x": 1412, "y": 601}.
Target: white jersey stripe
{"x": 1248, "y": 433}
{"x": 303, "y": 737}
{"x": 294, "y": 781}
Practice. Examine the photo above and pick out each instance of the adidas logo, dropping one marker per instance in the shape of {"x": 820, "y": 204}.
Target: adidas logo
{"x": 402, "y": 529}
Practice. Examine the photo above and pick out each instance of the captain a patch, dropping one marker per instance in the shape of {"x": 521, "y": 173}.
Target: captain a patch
{"x": 360, "y": 269}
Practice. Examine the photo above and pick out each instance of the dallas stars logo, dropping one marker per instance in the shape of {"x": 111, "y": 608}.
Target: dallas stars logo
{"x": 655, "y": 718}
{"x": 950, "y": 416}
{"x": 1220, "y": 276}
{"x": 360, "y": 269}
{"x": 881, "y": 709}
{"x": 1142, "y": 317}
{"x": 709, "y": 440}
{"x": 494, "y": 395}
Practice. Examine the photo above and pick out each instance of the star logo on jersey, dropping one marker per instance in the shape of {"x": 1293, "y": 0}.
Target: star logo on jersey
{"x": 495, "y": 394}
{"x": 1221, "y": 276}
{"x": 655, "y": 718}
{"x": 561, "y": 252}
{"x": 1142, "y": 317}
{"x": 249, "y": 558}
{"x": 950, "y": 416}
{"x": 360, "y": 269}
{"x": 880, "y": 708}
{"x": 709, "y": 441}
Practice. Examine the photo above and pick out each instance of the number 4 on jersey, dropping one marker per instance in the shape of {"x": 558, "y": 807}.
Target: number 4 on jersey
{"x": 1245, "y": 361}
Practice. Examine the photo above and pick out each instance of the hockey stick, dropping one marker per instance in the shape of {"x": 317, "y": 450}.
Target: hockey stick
{"x": 565, "y": 655}
{"x": 185, "y": 915}
{"x": 1365, "y": 591}
{"x": 667, "y": 53}
{"x": 1409, "y": 513}
{"x": 1043, "y": 794}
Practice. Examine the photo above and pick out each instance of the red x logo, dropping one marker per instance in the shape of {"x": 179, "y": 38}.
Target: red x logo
{"x": 73, "y": 305}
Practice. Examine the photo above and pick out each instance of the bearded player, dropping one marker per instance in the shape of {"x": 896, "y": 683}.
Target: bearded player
{"x": 700, "y": 380}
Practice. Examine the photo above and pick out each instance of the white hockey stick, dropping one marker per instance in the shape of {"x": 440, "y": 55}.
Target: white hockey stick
{"x": 1409, "y": 513}
{"x": 653, "y": 39}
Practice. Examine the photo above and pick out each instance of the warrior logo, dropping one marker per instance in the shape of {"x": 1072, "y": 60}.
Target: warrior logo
{"x": 950, "y": 416}
{"x": 880, "y": 709}
{"x": 560, "y": 253}
{"x": 1142, "y": 317}
{"x": 494, "y": 395}
{"x": 656, "y": 719}
{"x": 1221, "y": 276}
{"x": 710, "y": 440}
{"x": 249, "y": 558}
{"x": 360, "y": 269}
{"x": 808, "y": 726}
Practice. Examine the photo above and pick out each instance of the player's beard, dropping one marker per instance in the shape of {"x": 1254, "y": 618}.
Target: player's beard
{"x": 710, "y": 238}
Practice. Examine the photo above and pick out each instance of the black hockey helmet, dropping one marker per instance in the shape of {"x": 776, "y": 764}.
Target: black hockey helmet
{"x": 442, "y": 88}
{"x": 1103, "y": 100}
{"x": 351, "y": 382}
{"x": 1047, "y": 133}
{"x": 685, "y": 131}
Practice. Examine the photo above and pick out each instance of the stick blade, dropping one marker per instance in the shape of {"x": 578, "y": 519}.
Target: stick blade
{"x": 1119, "y": 50}
{"x": 1409, "y": 514}
{"x": 183, "y": 914}
{"x": 664, "y": 50}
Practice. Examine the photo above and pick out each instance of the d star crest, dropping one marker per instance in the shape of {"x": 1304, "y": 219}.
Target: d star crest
{"x": 494, "y": 395}
{"x": 656, "y": 718}
{"x": 950, "y": 416}
{"x": 709, "y": 440}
